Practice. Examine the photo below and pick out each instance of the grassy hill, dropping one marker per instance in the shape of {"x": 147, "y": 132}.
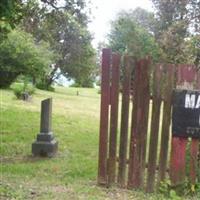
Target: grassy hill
{"x": 72, "y": 173}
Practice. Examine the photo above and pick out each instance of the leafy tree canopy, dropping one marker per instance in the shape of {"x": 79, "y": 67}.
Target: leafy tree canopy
{"x": 10, "y": 15}
{"x": 64, "y": 27}
{"x": 128, "y": 35}
{"x": 192, "y": 50}
{"x": 20, "y": 55}
{"x": 176, "y": 22}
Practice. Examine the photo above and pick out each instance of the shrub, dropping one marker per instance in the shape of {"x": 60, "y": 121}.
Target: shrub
{"x": 43, "y": 86}
{"x": 21, "y": 55}
{"x": 7, "y": 78}
{"x": 76, "y": 85}
{"x": 21, "y": 91}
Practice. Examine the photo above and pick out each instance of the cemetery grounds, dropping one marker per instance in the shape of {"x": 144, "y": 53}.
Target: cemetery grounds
{"x": 72, "y": 173}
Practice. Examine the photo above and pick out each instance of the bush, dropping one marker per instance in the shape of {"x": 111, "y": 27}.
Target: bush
{"x": 21, "y": 55}
{"x": 23, "y": 91}
{"x": 43, "y": 86}
{"x": 76, "y": 85}
{"x": 6, "y": 78}
{"x": 85, "y": 84}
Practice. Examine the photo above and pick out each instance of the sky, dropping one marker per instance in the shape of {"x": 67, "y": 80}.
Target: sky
{"x": 103, "y": 11}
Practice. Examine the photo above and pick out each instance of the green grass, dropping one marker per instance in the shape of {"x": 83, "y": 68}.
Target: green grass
{"x": 72, "y": 173}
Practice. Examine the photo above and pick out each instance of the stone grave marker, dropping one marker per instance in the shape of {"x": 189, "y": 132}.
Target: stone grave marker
{"x": 45, "y": 144}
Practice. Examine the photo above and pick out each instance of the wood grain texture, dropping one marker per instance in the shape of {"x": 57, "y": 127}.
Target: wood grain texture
{"x": 155, "y": 122}
{"x": 126, "y": 86}
{"x": 186, "y": 76}
{"x": 139, "y": 124}
{"x": 113, "y": 118}
{"x": 104, "y": 117}
{"x": 168, "y": 86}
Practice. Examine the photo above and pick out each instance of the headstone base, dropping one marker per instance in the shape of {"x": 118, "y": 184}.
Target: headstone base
{"x": 45, "y": 148}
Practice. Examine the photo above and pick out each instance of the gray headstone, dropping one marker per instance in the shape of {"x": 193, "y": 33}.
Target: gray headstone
{"x": 46, "y": 116}
{"x": 45, "y": 144}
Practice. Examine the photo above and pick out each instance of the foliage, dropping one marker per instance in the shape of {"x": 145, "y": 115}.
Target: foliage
{"x": 43, "y": 86}
{"x": 192, "y": 50}
{"x": 169, "y": 12}
{"x": 85, "y": 83}
{"x": 65, "y": 28}
{"x": 170, "y": 32}
{"x": 19, "y": 90}
{"x": 19, "y": 54}
{"x": 7, "y": 77}
{"x": 75, "y": 50}
{"x": 10, "y": 15}
{"x": 175, "y": 20}
{"x": 172, "y": 42}
{"x": 144, "y": 19}
{"x": 61, "y": 24}
{"x": 127, "y": 35}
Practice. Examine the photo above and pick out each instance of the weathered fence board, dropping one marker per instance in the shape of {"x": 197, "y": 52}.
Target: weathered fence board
{"x": 127, "y": 69}
{"x": 193, "y": 160}
{"x": 115, "y": 72}
{"x": 154, "y": 133}
{"x": 104, "y": 116}
{"x": 131, "y": 167}
{"x": 166, "y": 120}
{"x": 178, "y": 160}
{"x": 195, "y": 145}
{"x": 139, "y": 124}
{"x": 186, "y": 77}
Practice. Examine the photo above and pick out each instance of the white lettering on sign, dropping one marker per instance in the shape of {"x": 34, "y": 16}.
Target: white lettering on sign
{"x": 198, "y": 102}
{"x": 189, "y": 101}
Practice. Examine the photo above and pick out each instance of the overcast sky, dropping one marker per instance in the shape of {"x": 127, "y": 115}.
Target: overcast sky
{"x": 103, "y": 11}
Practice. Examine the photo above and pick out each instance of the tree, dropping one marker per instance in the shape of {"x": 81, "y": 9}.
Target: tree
{"x": 10, "y": 15}
{"x": 72, "y": 42}
{"x": 20, "y": 55}
{"x": 192, "y": 50}
{"x": 65, "y": 28}
{"x": 144, "y": 19}
{"x": 169, "y": 12}
{"x": 128, "y": 35}
{"x": 175, "y": 20}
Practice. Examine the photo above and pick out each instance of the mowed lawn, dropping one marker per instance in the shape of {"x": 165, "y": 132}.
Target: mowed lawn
{"x": 72, "y": 173}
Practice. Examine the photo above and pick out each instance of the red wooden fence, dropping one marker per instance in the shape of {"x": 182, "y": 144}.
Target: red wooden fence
{"x": 140, "y": 159}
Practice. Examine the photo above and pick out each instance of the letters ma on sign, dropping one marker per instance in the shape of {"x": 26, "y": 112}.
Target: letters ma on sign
{"x": 186, "y": 113}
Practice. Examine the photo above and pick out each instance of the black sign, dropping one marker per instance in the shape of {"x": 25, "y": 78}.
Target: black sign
{"x": 186, "y": 114}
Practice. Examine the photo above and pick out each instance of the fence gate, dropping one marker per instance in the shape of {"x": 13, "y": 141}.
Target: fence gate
{"x": 136, "y": 147}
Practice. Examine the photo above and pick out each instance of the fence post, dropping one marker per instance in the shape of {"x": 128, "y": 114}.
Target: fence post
{"x": 167, "y": 98}
{"x": 113, "y": 117}
{"x": 155, "y": 122}
{"x": 194, "y": 146}
{"x": 126, "y": 86}
{"x": 104, "y": 116}
{"x": 139, "y": 124}
{"x": 185, "y": 79}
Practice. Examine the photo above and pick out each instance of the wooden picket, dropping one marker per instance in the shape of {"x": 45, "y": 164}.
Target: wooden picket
{"x": 124, "y": 161}
{"x": 155, "y": 122}
{"x": 124, "y": 120}
{"x": 167, "y": 102}
{"x": 195, "y": 144}
{"x": 186, "y": 79}
{"x": 113, "y": 117}
{"x": 104, "y": 118}
{"x": 141, "y": 96}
